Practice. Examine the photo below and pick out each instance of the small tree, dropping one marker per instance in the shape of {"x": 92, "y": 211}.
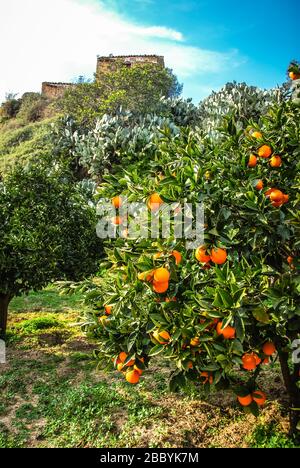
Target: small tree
{"x": 138, "y": 89}
{"x": 47, "y": 233}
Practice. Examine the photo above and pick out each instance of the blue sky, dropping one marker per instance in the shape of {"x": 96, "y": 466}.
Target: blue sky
{"x": 263, "y": 33}
{"x": 206, "y": 43}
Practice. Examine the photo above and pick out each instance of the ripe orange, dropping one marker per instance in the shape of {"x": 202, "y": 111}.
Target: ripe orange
{"x": 117, "y": 201}
{"x": 132, "y": 376}
{"x": 294, "y": 76}
{"x": 227, "y": 332}
{"x": 269, "y": 348}
{"x": 161, "y": 275}
{"x": 290, "y": 260}
{"x": 276, "y": 195}
{"x": 117, "y": 220}
{"x": 259, "y": 185}
{"x": 190, "y": 365}
{"x": 157, "y": 255}
{"x": 163, "y": 337}
{"x": 123, "y": 356}
{"x": 256, "y": 134}
{"x": 195, "y": 341}
{"x": 120, "y": 366}
{"x": 266, "y": 361}
{"x": 178, "y": 257}
{"x": 275, "y": 161}
{"x": 139, "y": 371}
{"x": 252, "y": 160}
{"x": 154, "y": 202}
{"x": 206, "y": 377}
{"x": 264, "y": 151}
{"x": 108, "y": 309}
{"x": 259, "y": 397}
{"x": 257, "y": 358}
{"x": 249, "y": 362}
{"x": 160, "y": 287}
{"x": 218, "y": 256}
{"x": 246, "y": 400}
{"x": 201, "y": 255}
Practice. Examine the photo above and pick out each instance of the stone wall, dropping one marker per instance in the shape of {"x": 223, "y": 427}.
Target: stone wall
{"x": 105, "y": 64}
{"x": 55, "y": 90}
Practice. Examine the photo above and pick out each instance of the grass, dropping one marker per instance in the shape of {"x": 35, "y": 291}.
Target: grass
{"x": 52, "y": 394}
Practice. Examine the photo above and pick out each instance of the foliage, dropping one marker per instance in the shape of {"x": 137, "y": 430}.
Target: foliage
{"x": 256, "y": 291}
{"x": 10, "y": 107}
{"x": 247, "y": 102}
{"x": 137, "y": 89}
{"x": 32, "y": 107}
{"x": 20, "y": 145}
{"x": 47, "y": 230}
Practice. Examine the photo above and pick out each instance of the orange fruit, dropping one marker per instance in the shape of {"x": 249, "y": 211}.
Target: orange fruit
{"x": 218, "y": 256}
{"x": 259, "y": 397}
{"x": 266, "y": 361}
{"x": 117, "y": 220}
{"x": 249, "y": 362}
{"x": 108, "y": 309}
{"x": 206, "y": 377}
{"x": 132, "y": 376}
{"x": 256, "y": 134}
{"x": 252, "y": 160}
{"x": 161, "y": 275}
{"x": 264, "y": 151}
{"x": 160, "y": 287}
{"x": 227, "y": 332}
{"x": 294, "y": 76}
{"x": 163, "y": 337}
{"x": 122, "y": 356}
{"x": 275, "y": 161}
{"x": 195, "y": 341}
{"x": 154, "y": 202}
{"x": 269, "y": 348}
{"x": 259, "y": 185}
{"x": 178, "y": 257}
{"x": 290, "y": 260}
{"x": 190, "y": 365}
{"x": 116, "y": 201}
{"x": 245, "y": 400}
{"x": 276, "y": 195}
{"x": 120, "y": 366}
{"x": 139, "y": 371}
{"x": 201, "y": 255}
{"x": 257, "y": 358}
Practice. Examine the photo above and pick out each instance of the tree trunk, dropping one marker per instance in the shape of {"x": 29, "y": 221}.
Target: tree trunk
{"x": 290, "y": 381}
{"x": 4, "y": 302}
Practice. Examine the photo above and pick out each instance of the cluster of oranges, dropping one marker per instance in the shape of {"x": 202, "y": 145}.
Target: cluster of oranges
{"x": 160, "y": 277}
{"x": 252, "y": 360}
{"x": 217, "y": 255}
{"x": 264, "y": 152}
{"x": 131, "y": 371}
{"x": 257, "y": 396}
{"x": 276, "y": 196}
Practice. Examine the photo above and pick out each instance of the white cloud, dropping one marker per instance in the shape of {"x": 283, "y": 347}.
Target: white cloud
{"x": 42, "y": 40}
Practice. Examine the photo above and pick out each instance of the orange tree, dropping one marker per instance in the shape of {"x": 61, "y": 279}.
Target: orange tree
{"x": 224, "y": 310}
